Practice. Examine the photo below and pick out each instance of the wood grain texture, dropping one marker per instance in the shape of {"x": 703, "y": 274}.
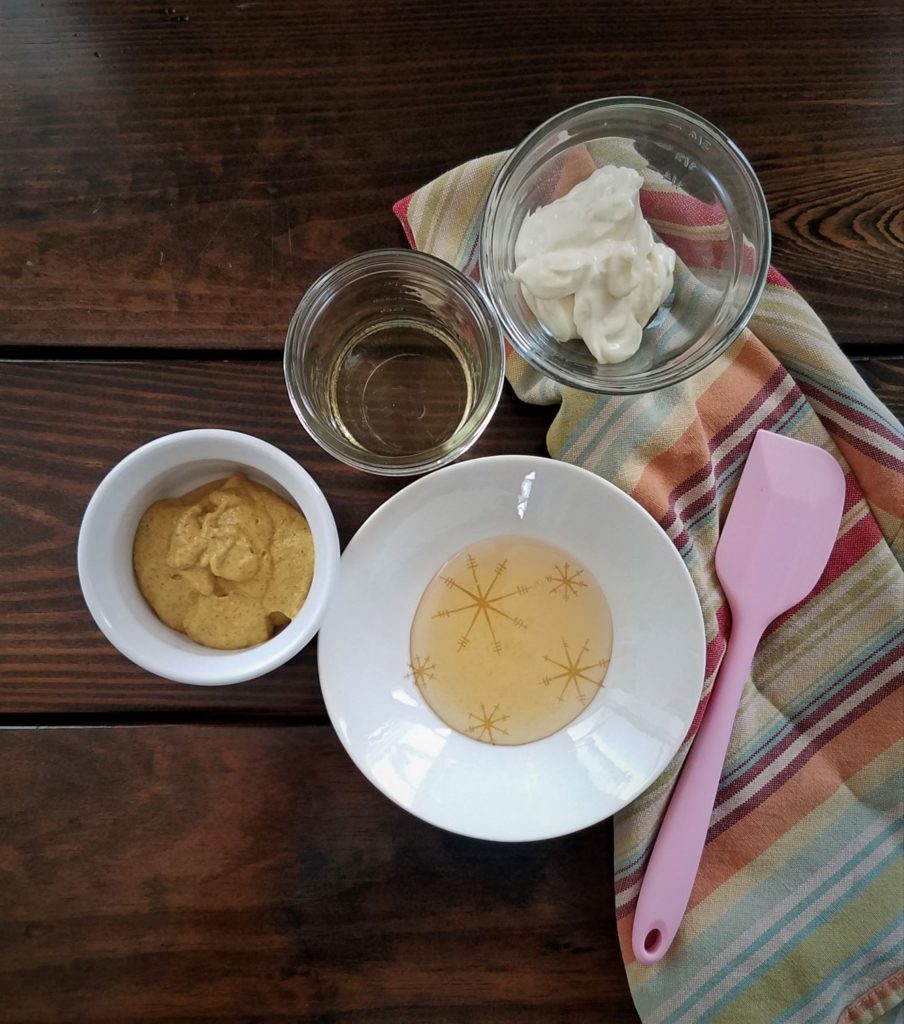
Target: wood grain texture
{"x": 171, "y": 180}
{"x": 63, "y": 426}
{"x": 886, "y": 378}
{"x": 188, "y": 875}
{"x": 176, "y": 177}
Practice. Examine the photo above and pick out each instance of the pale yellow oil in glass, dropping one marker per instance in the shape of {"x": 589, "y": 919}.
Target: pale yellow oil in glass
{"x": 511, "y": 640}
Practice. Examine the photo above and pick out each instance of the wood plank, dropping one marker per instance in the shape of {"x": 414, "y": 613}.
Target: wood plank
{"x": 178, "y": 179}
{"x": 886, "y": 378}
{"x": 64, "y": 425}
{"x": 189, "y": 875}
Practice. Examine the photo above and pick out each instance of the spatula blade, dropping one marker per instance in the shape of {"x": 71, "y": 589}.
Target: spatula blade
{"x": 781, "y": 527}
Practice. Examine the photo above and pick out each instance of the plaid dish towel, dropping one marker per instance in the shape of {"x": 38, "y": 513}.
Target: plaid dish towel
{"x": 796, "y": 915}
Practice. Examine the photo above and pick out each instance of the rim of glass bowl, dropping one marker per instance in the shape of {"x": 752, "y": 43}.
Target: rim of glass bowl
{"x": 648, "y": 380}
{"x": 315, "y": 299}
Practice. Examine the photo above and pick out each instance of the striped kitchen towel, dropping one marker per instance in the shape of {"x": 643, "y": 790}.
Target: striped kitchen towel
{"x": 797, "y": 912}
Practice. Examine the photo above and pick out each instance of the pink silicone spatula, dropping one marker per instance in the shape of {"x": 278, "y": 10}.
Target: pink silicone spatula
{"x": 775, "y": 544}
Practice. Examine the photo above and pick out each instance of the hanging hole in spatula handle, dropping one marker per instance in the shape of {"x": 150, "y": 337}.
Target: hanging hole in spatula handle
{"x": 651, "y": 946}
{"x": 653, "y": 943}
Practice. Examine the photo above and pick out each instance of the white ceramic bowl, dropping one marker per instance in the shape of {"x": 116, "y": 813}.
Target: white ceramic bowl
{"x": 585, "y": 772}
{"x": 166, "y": 468}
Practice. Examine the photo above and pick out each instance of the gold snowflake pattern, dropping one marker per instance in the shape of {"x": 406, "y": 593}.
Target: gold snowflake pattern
{"x": 420, "y": 670}
{"x": 483, "y": 603}
{"x": 566, "y": 581}
{"x": 574, "y": 671}
{"x": 487, "y": 724}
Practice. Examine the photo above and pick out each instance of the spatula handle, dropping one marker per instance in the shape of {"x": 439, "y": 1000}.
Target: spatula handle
{"x": 673, "y": 864}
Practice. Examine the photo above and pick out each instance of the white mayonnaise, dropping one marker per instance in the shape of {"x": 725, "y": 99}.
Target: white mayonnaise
{"x": 589, "y": 266}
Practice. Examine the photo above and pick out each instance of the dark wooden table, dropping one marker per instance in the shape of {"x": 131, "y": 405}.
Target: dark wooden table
{"x": 171, "y": 179}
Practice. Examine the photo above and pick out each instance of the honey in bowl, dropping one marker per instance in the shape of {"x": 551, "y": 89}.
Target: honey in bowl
{"x": 511, "y": 640}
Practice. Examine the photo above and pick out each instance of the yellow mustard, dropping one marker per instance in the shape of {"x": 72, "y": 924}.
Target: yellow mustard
{"x": 228, "y": 564}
